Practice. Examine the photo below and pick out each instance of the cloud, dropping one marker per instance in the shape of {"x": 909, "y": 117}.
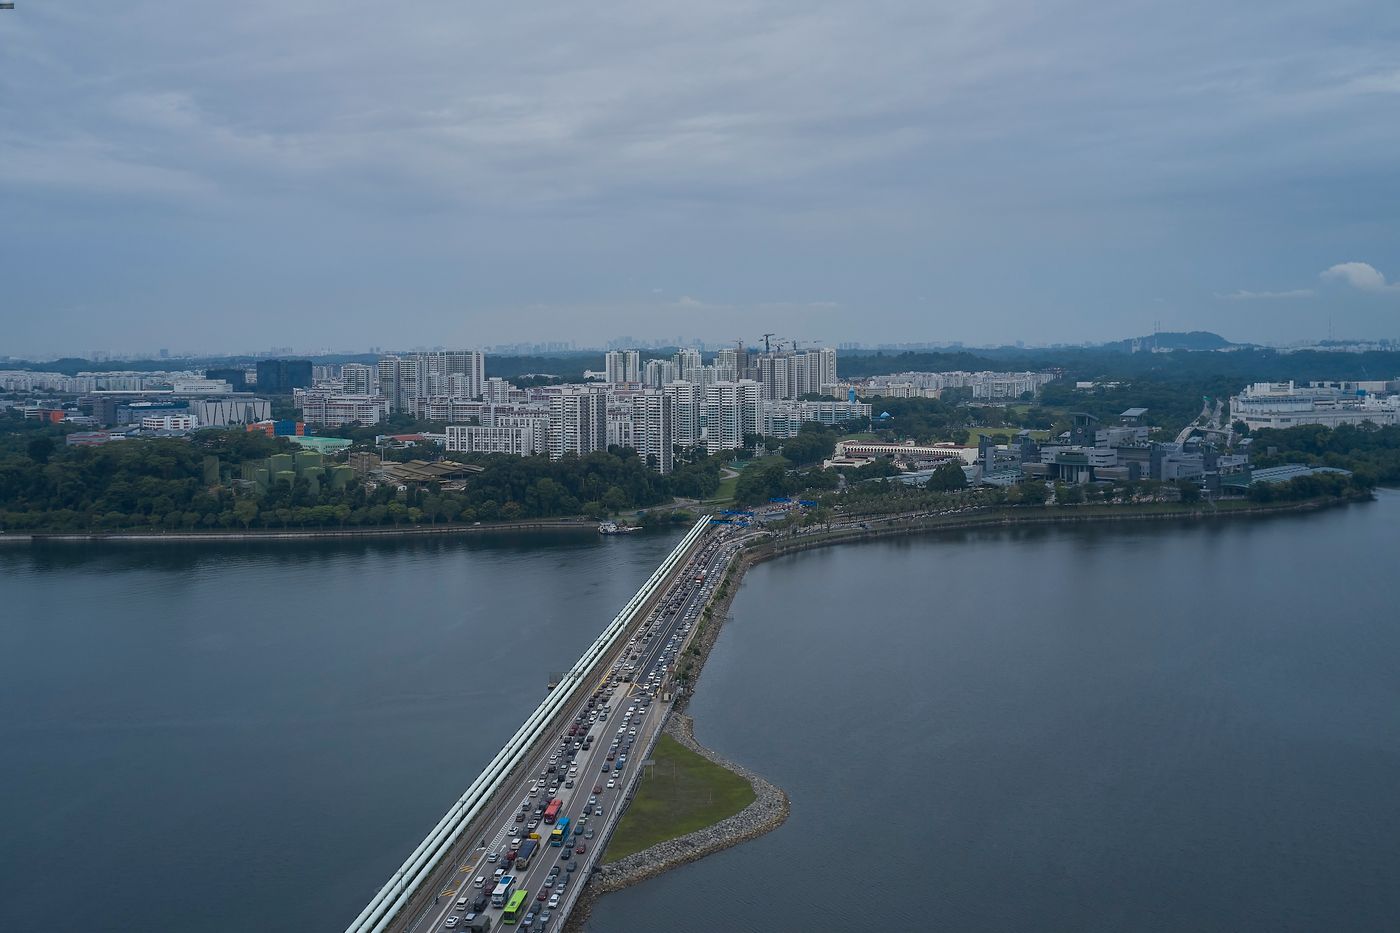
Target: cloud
{"x": 1241, "y": 294}
{"x": 1360, "y": 275}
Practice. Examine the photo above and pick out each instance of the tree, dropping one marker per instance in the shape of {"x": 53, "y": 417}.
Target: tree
{"x": 245, "y": 510}
{"x": 41, "y": 448}
{"x": 946, "y": 476}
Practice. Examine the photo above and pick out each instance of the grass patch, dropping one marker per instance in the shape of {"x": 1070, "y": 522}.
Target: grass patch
{"x": 725, "y": 492}
{"x": 681, "y": 793}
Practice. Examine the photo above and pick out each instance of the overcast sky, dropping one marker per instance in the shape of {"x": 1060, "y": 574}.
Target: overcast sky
{"x": 240, "y": 175}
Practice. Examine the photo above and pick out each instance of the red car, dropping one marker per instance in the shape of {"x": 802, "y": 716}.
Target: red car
{"x": 580, "y": 848}
{"x": 543, "y": 895}
{"x": 597, "y": 788}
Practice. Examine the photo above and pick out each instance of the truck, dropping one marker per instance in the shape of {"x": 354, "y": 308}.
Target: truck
{"x": 527, "y": 849}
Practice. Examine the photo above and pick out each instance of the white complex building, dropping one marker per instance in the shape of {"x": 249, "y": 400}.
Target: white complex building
{"x": 1286, "y": 405}
{"x": 521, "y": 435}
{"x": 334, "y": 410}
{"x": 169, "y": 422}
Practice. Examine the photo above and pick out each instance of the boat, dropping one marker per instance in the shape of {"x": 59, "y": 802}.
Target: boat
{"x": 613, "y": 528}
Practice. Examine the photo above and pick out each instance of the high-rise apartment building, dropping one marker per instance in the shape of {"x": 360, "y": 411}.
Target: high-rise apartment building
{"x": 687, "y": 404}
{"x": 623, "y": 366}
{"x": 398, "y": 381}
{"x": 578, "y": 421}
{"x": 657, "y": 373}
{"x": 359, "y": 379}
{"x": 652, "y": 429}
{"x": 773, "y": 374}
{"x": 732, "y": 409}
{"x": 457, "y": 373}
{"x": 727, "y": 365}
{"x": 406, "y": 380}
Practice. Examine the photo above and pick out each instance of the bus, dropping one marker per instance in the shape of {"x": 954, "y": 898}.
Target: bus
{"x": 552, "y": 811}
{"x": 502, "y": 891}
{"x": 515, "y": 906}
{"x": 561, "y": 832}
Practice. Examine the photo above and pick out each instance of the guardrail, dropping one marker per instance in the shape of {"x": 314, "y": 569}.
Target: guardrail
{"x": 424, "y": 860}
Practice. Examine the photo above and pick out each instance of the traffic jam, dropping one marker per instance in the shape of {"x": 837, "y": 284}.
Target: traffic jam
{"x": 541, "y": 827}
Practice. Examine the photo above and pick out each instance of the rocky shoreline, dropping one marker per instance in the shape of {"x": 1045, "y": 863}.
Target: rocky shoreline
{"x": 768, "y": 811}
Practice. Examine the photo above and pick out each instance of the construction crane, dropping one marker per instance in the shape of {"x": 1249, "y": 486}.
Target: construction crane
{"x": 766, "y": 347}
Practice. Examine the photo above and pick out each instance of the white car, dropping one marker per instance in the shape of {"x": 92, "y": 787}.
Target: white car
{"x": 612, "y": 783}
{"x": 553, "y": 901}
{"x": 451, "y": 922}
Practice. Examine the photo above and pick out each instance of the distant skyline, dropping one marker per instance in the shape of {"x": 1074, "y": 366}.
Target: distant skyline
{"x": 305, "y": 173}
{"x": 531, "y": 348}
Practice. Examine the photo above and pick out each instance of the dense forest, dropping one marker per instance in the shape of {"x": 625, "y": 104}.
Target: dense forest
{"x": 1373, "y": 453}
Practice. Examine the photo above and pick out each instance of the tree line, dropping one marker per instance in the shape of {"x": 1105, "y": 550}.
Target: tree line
{"x": 164, "y": 483}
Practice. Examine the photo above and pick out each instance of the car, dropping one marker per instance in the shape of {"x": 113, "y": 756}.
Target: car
{"x": 450, "y": 922}
{"x": 542, "y": 896}
{"x": 597, "y": 789}
{"x": 559, "y": 888}
{"x": 534, "y": 824}
{"x": 581, "y": 848}
{"x": 566, "y": 855}
{"x": 612, "y": 783}
{"x": 480, "y": 881}
{"x": 587, "y": 810}
{"x": 469, "y": 917}
{"x": 499, "y": 873}
{"x": 520, "y": 817}
{"x": 553, "y": 871}
{"x": 494, "y": 857}
{"x": 544, "y": 918}
{"x": 569, "y": 784}
{"x": 572, "y": 865}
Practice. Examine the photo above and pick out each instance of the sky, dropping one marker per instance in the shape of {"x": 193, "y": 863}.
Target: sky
{"x": 240, "y": 175}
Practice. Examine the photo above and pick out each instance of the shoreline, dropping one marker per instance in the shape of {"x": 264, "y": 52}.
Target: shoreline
{"x": 310, "y": 534}
{"x": 772, "y": 806}
{"x": 1000, "y": 517}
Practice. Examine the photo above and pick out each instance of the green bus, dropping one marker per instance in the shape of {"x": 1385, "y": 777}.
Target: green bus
{"x": 515, "y": 906}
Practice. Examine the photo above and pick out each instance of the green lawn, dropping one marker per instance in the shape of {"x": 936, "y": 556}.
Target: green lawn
{"x": 681, "y": 793}
{"x": 725, "y": 492}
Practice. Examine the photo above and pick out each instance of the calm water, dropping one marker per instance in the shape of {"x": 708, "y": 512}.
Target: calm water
{"x": 1141, "y": 728}
{"x": 1094, "y": 729}
{"x": 252, "y": 737}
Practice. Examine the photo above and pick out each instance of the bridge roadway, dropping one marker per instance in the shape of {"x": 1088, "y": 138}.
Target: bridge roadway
{"x": 656, "y": 635}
